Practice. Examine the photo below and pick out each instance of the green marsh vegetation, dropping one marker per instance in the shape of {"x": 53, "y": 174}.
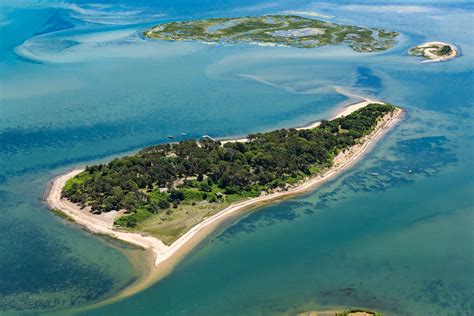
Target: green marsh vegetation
{"x": 286, "y": 30}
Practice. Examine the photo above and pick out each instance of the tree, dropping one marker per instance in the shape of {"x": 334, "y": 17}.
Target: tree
{"x": 163, "y": 204}
{"x": 205, "y": 187}
{"x": 176, "y": 195}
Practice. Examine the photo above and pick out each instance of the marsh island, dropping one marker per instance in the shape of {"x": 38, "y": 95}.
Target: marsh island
{"x": 284, "y": 30}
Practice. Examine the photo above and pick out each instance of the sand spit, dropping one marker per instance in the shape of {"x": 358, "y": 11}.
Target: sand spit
{"x": 342, "y": 112}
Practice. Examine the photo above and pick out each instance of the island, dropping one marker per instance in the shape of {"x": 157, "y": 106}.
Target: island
{"x": 434, "y": 51}
{"x": 351, "y": 312}
{"x": 281, "y": 30}
{"x": 167, "y": 197}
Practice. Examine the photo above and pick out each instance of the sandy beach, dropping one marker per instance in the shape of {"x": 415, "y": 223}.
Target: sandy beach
{"x": 94, "y": 223}
{"x": 165, "y": 257}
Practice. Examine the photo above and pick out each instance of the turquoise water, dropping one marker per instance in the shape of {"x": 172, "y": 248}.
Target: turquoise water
{"x": 78, "y": 85}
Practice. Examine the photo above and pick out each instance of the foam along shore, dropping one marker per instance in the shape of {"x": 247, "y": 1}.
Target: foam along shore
{"x": 429, "y": 50}
{"x": 168, "y": 255}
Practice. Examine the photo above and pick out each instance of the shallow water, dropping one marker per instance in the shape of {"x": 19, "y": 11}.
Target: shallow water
{"x": 78, "y": 85}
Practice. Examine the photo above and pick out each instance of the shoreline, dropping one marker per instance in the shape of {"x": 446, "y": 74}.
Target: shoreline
{"x": 166, "y": 257}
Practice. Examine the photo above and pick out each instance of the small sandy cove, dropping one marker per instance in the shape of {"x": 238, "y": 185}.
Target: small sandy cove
{"x": 163, "y": 254}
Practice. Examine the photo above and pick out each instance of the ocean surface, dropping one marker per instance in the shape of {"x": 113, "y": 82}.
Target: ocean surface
{"x": 78, "y": 85}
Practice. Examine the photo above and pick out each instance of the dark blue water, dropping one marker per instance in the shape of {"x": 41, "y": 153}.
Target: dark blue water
{"x": 78, "y": 84}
